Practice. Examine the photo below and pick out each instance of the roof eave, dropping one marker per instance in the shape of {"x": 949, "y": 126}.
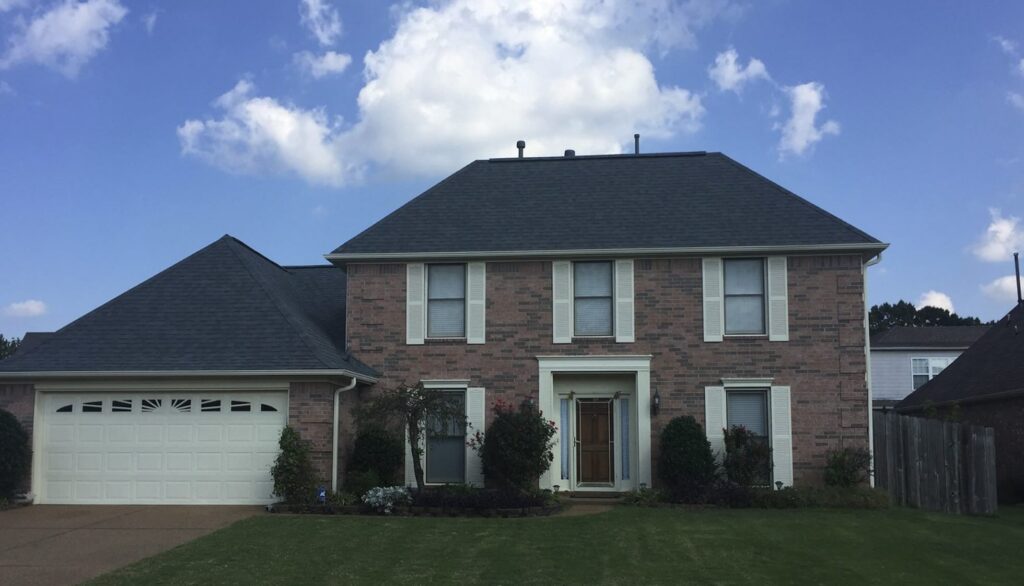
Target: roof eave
{"x": 69, "y": 374}
{"x": 871, "y": 249}
{"x": 927, "y": 403}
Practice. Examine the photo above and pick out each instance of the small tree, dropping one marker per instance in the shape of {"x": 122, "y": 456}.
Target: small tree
{"x": 8, "y": 346}
{"x": 685, "y": 461}
{"x": 294, "y": 477}
{"x": 847, "y": 467}
{"x": 411, "y": 407}
{"x": 748, "y": 458}
{"x": 517, "y": 447}
{"x": 379, "y": 452}
{"x": 15, "y": 455}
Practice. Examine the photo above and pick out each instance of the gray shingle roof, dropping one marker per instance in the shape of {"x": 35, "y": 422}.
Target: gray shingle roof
{"x": 224, "y": 308}
{"x": 668, "y": 200}
{"x": 927, "y": 337}
{"x": 991, "y": 367}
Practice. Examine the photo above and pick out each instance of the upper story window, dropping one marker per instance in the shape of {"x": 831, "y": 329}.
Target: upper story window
{"x": 592, "y": 298}
{"x": 446, "y": 301}
{"x": 744, "y": 296}
{"x": 925, "y": 369}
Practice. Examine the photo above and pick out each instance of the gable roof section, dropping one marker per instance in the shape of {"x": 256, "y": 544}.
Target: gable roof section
{"x": 992, "y": 367}
{"x": 666, "y": 201}
{"x": 224, "y": 308}
{"x": 927, "y": 337}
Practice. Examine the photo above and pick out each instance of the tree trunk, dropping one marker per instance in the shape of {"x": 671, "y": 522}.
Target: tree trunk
{"x": 417, "y": 452}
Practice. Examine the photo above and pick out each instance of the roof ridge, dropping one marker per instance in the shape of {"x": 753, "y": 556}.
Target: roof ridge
{"x": 602, "y": 156}
{"x": 275, "y": 301}
{"x": 800, "y": 199}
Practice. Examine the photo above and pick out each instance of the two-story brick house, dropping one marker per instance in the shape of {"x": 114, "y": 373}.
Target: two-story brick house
{"x": 614, "y": 292}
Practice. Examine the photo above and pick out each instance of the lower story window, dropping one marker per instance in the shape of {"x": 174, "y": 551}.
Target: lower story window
{"x": 749, "y": 409}
{"x": 446, "y": 446}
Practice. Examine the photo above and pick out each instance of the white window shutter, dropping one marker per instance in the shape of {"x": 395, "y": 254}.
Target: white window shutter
{"x": 624, "y": 318}
{"x": 778, "y": 299}
{"x": 476, "y": 302}
{"x": 714, "y": 420}
{"x": 561, "y": 293}
{"x": 782, "y": 436}
{"x": 476, "y": 417}
{"x": 714, "y": 317}
{"x": 415, "y": 302}
{"x": 410, "y": 472}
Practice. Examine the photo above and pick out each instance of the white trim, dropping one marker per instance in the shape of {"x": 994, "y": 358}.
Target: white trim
{"x": 871, "y": 248}
{"x": 183, "y": 374}
{"x": 918, "y": 348}
{"x": 452, "y": 384}
{"x": 747, "y": 383}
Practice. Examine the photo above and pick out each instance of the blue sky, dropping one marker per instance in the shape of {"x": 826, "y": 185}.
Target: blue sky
{"x": 134, "y": 133}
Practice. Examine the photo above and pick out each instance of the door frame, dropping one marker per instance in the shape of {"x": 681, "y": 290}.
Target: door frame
{"x": 639, "y": 418}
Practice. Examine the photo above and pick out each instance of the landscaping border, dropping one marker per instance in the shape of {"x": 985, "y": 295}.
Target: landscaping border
{"x": 411, "y": 511}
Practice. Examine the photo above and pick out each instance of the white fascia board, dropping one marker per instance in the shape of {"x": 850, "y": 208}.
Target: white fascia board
{"x": 144, "y": 374}
{"x": 794, "y": 249}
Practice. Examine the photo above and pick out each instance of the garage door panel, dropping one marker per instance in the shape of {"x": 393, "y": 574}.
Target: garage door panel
{"x": 90, "y": 433}
{"x": 118, "y": 490}
{"x": 177, "y": 461}
{"x": 61, "y": 434}
{"x": 89, "y": 462}
{"x": 179, "y": 433}
{"x": 240, "y": 433}
{"x": 120, "y": 434}
{"x": 149, "y": 433}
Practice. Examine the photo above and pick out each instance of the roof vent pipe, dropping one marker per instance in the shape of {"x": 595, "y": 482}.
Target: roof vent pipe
{"x": 520, "y": 144}
{"x": 569, "y": 153}
{"x": 636, "y": 144}
{"x": 1016, "y": 266}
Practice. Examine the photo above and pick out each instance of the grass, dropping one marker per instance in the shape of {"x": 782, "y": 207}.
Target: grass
{"x": 625, "y": 545}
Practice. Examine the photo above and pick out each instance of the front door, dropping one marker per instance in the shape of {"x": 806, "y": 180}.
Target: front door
{"x": 594, "y": 451}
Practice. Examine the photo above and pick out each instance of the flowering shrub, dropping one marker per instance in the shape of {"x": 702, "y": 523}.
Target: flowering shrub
{"x": 517, "y": 447}
{"x": 384, "y": 499}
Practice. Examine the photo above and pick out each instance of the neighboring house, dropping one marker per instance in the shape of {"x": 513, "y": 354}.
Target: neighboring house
{"x": 614, "y": 292}
{"x": 904, "y": 358}
{"x": 985, "y": 386}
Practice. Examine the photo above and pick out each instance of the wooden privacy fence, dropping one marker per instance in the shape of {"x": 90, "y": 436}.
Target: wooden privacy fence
{"x": 935, "y": 465}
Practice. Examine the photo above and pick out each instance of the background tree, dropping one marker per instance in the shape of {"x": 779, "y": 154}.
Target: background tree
{"x": 8, "y": 346}
{"x": 903, "y": 313}
{"x": 412, "y": 408}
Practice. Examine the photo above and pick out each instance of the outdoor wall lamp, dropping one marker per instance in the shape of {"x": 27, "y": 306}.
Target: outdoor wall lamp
{"x": 655, "y": 402}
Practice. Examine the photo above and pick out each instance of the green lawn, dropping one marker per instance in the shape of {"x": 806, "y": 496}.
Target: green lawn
{"x": 625, "y": 545}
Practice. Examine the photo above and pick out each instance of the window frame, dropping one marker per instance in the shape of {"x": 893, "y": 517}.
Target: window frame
{"x": 766, "y": 394}
{"x": 610, "y": 297}
{"x": 930, "y": 361}
{"x": 464, "y": 392}
{"x": 426, "y": 300}
{"x": 763, "y": 296}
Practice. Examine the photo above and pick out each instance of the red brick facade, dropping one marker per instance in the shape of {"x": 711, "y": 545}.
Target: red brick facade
{"x": 823, "y": 362}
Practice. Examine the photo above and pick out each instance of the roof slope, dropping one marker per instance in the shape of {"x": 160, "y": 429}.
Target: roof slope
{"x": 668, "y": 200}
{"x": 224, "y": 308}
{"x": 927, "y": 337}
{"x": 990, "y": 367}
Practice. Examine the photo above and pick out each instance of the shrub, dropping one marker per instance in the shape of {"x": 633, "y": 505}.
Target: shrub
{"x": 384, "y": 499}
{"x": 748, "y": 458}
{"x": 726, "y": 493}
{"x": 15, "y": 455}
{"x": 644, "y": 497}
{"x": 342, "y": 498}
{"x": 516, "y": 449}
{"x": 847, "y": 467}
{"x": 379, "y": 451}
{"x": 860, "y": 497}
{"x": 359, "y": 482}
{"x": 294, "y": 478}
{"x": 458, "y": 496}
{"x": 685, "y": 462}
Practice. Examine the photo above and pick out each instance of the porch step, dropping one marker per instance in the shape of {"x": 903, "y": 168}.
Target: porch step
{"x": 594, "y": 498}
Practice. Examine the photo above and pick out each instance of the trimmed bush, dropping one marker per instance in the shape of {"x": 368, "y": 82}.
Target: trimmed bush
{"x": 748, "y": 458}
{"x": 685, "y": 462}
{"x": 359, "y": 482}
{"x": 847, "y": 467}
{"x": 15, "y": 455}
{"x": 294, "y": 477}
{"x": 380, "y": 451}
{"x": 516, "y": 449}
{"x": 458, "y": 496}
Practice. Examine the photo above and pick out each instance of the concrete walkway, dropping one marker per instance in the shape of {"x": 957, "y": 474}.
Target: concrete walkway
{"x": 56, "y": 544}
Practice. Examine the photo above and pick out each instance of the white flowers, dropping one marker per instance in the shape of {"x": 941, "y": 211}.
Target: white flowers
{"x": 383, "y": 499}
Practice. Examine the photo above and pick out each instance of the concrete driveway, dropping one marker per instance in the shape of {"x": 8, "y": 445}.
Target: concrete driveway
{"x": 56, "y": 544}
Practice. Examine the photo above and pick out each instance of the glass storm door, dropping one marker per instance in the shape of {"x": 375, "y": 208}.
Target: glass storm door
{"x": 594, "y": 441}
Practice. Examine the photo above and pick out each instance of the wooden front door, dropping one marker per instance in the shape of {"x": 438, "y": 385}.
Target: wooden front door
{"x": 594, "y": 441}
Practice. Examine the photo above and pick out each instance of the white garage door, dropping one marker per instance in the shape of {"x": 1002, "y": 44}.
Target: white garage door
{"x": 160, "y": 448}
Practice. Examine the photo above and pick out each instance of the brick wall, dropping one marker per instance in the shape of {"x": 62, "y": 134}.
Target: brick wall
{"x": 19, "y": 400}
{"x": 310, "y": 412}
{"x": 823, "y": 362}
{"x": 1006, "y": 417}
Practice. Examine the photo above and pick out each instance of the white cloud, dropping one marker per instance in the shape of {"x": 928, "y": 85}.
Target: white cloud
{"x": 322, "y": 20}
{"x": 322, "y": 65}
{"x": 66, "y": 36}
{"x": 802, "y": 130}
{"x": 1008, "y": 46}
{"x": 27, "y": 308}
{"x": 1001, "y": 239}
{"x": 149, "y": 21}
{"x": 461, "y": 80}
{"x": 936, "y": 299}
{"x": 729, "y": 75}
{"x": 1015, "y": 99}
{"x": 260, "y": 133}
{"x": 1002, "y": 289}
{"x": 6, "y": 5}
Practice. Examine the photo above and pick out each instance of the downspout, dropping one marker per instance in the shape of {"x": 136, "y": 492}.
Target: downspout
{"x": 867, "y": 371}
{"x": 334, "y": 442}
